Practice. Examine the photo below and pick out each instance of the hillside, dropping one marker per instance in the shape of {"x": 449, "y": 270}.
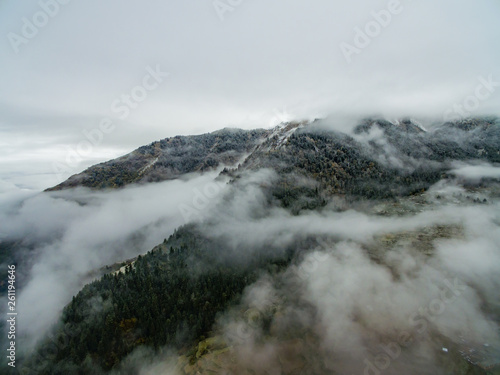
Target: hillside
{"x": 313, "y": 219}
{"x": 168, "y": 159}
{"x": 379, "y": 159}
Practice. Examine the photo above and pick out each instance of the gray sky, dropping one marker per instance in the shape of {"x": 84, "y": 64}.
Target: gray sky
{"x": 251, "y": 64}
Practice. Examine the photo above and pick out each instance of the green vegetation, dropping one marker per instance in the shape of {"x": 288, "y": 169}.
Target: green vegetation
{"x": 168, "y": 159}
{"x": 163, "y": 298}
{"x": 173, "y": 295}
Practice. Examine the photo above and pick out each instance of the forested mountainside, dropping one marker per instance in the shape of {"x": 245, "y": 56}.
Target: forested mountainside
{"x": 248, "y": 281}
{"x": 168, "y": 159}
{"x": 171, "y": 295}
{"x": 175, "y": 294}
{"x": 380, "y": 159}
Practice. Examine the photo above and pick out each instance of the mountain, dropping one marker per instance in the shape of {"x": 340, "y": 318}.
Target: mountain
{"x": 378, "y": 159}
{"x": 168, "y": 159}
{"x": 244, "y": 292}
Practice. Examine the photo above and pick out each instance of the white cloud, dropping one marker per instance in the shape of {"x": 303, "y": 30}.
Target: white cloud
{"x": 475, "y": 172}
{"x": 76, "y": 232}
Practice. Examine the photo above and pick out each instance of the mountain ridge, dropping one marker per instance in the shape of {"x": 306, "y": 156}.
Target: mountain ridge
{"x": 174, "y": 157}
{"x": 305, "y": 195}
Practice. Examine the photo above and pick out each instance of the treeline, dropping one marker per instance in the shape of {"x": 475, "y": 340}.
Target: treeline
{"x": 407, "y": 160}
{"x": 170, "y": 296}
{"x": 168, "y": 159}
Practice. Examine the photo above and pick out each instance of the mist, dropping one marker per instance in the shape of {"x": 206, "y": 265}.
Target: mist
{"x": 66, "y": 237}
{"x": 370, "y": 294}
{"x": 475, "y": 172}
{"x": 395, "y": 286}
{"x": 368, "y": 297}
{"x": 366, "y": 293}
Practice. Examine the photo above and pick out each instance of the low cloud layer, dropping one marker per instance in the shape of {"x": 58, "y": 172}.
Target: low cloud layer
{"x": 368, "y": 299}
{"x": 73, "y": 233}
{"x": 476, "y": 172}
{"x": 367, "y": 295}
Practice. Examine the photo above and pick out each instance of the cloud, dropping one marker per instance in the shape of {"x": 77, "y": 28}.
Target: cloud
{"x": 475, "y": 172}
{"x": 144, "y": 361}
{"x": 233, "y": 73}
{"x": 368, "y": 294}
{"x": 358, "y": 282}
{"x": 75, "y": 232}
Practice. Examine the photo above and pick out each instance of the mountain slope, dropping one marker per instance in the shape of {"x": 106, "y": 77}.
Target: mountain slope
{"x": 379, "y": 158}
{"x": 168, "y": 159}
{"x": 274, "y": 218}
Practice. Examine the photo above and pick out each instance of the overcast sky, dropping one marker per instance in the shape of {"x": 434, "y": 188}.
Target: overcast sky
{"x": 250, "y": 64}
